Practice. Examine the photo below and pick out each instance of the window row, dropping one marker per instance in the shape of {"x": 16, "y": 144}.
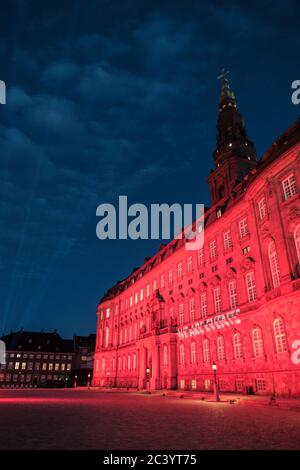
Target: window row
{"x": 237, "y": 344}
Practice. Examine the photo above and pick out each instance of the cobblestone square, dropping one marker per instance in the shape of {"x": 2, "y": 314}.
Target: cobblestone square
{"x": 82, "y": 419}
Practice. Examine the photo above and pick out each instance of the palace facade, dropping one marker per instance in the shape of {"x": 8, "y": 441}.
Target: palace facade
{"x": 236, "y": 301}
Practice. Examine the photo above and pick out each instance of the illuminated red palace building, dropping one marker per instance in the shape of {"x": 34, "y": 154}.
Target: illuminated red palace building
{"x": 236, "y": 302}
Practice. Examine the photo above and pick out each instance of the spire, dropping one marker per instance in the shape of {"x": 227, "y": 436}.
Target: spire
{"x": 235, "y": 155}
{"x": 231, "y": 131}
{"x": 225, "y": 89}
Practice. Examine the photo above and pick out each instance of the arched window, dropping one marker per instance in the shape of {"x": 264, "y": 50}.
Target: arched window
{"x": 221, "y": 348}
{"x": 106, "y": 336}
{"x": 237, "y": 346}
{"x": 274, "y": 265}
{"x": 129, "y": 362}
{"x": 181, "y": 314}
{"x": 297, "y": 242}
{"x": 193, "y": 353}
{"x": 192, "y": 309}
{"x": 206, "y": 354}
{"x": 165, "y": 356}
{"x": 279, "y": 334}
{"x": 257, "y": 341}
{"x": 103, "y": 364}
{"x": 182, "y": 355}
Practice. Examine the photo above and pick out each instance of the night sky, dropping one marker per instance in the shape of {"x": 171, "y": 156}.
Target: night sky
{"x": 119, "y": 97}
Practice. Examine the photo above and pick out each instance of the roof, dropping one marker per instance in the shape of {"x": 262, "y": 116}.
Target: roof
{"x": 85, "y": 341}
{"x": 37, "y": 341}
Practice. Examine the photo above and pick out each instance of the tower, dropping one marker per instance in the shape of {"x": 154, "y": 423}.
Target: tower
{"x": 235, "y": 155}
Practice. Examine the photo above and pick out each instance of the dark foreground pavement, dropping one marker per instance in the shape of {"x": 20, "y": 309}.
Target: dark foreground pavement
{"x": 79, "y": 419}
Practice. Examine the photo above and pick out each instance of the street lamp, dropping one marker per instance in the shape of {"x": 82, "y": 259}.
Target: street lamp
{"x": 75, "y": 381}
{"x": 89, "y": 380}
{"x": 108, "y": 374}
{"x": 214, "y": 368}
{"x": 148, "y": 377}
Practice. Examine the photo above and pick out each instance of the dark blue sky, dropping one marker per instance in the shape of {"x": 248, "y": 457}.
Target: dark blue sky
{"x": 118, "y": 97}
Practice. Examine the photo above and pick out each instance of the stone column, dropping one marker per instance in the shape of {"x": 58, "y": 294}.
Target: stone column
{"x": 155, "y": 379}
{"x": 172, "y": 364}
{"x": 142, "y": 367}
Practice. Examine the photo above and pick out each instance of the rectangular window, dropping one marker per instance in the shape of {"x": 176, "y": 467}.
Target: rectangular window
{"x": 260, "y": 385}
{"x": 243, "y": 228}
{"x": 162, "y": 281}
{"x": 181, "y": 384}
{"x": 217, "y": 300}
{"x": 192, "y": 309}
{"x": 203, "y": 305}
{"x": 179, "y": 271}
{"x": 289, "y": 186}
{"x": 262, "y": 208}
{"x": 246, "y": 250}
{"x": 189, "y": 264}
{"x": 154, "y": 285}
{"x": 232, "y": 294}
{"x": 251, "y": 286}
{"x": 213, "y": 249}
{"x": 206, "y": 384}
{"x": 131, "y": 301}
{"x": 170, "y": 276}
{"x": 239, "y": 384}
{"x": 141, "y": 295}
{"x": 44, "y": 367}
{"x": 17, "y": 366}
{"x": 201, "y": 257}
{"x": 227, "y": 240}
{"x": 194, "y": 384}
{"x": 181, "y": 314}
{"x": 23, "y": 367}
{"x": 136, "y": 298}
{"x": 147, "y": 290}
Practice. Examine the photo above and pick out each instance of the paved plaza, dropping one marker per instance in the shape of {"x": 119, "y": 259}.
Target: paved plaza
{"x": 83, "y": 419}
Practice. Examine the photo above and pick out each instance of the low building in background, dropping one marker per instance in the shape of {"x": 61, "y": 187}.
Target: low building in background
{"x": 43, "y": 359}
{"x": 84, "y": 348}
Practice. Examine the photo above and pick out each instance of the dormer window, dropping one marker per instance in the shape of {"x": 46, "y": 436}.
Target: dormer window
{"x": 219, "y": 213}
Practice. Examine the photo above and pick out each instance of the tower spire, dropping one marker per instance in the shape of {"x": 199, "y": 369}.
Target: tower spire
{"x": 225, "y": 87}
{"x": 235, "y": 154}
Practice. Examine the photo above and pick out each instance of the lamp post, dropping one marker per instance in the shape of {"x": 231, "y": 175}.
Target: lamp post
{"x": 89, "y": 381}
{"x": 75, "y": 381}
{"x": 108, "y": 374}
{"x": 148, "y": 381}
{"x": 214, "y": 368}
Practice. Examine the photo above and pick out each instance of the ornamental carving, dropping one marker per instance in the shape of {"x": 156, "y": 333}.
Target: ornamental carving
{"x": 294, "y": 213}
{"x": 247, "y": 264}
{"x": 270, "y": 187}
{"x": 265, "y": 232}
{"x": 230, "y": 273}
